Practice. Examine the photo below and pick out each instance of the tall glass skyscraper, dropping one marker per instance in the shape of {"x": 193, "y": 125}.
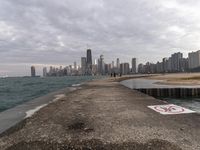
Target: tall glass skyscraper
{"x": 89, "y": 56}
{"x": 89, "y": 61}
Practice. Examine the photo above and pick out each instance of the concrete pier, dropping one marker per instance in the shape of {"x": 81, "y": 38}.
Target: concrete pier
{"x": 104, "y": 115}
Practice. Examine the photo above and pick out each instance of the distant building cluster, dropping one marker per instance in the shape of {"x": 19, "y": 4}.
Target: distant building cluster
{"x": 175, "y": 63}
{"x": 88, "y": 67}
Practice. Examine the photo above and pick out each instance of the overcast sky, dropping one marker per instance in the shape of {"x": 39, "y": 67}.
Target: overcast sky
{"x": 57, "y": 32}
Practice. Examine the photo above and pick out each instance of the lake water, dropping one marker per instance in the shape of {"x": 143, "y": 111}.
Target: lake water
{"x": 17, "y": 90}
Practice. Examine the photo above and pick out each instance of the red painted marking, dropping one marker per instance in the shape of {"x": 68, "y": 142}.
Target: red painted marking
{"x": 170, "y": 109}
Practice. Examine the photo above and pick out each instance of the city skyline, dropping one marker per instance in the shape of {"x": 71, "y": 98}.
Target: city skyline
{"x": 172, "y": 64}
{"x": 54, "y": 32}
{"x": 191, "y": 61}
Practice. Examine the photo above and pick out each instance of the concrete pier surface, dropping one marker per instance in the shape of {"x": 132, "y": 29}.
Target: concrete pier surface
{"x": 103, "y": 114}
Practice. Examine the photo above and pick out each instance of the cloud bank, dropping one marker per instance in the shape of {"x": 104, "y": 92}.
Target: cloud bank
{"x": 58, "y": 32}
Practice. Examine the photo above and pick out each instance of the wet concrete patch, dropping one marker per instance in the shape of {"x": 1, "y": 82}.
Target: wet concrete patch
{"x": 81, "y": 126}
{"x": 76, "y": 126}
{"x": 95, "y": 144}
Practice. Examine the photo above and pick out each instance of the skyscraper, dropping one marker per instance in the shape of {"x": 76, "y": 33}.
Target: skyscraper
{"x": 169, "y": 64}
{"x": 164, "y": 63}
{"x": 176, "y": 61}
{"x": 94, "y": 69}
{"x": 95, "y": 61}
{"x": 194, "y": 59}
{"x": 75, "y": 66}
{"x": 33, "y": 74}
{"x": 113, "y": 64}
{"x": 134, "y": 68}
{"x": 118, "y": 63}
{"x": 124, "y": 68}
{"x": 89, "y": 61}
{"x": 141, "y": 68}
{"x": 83, "y": 65}
{"x": 101, "y": 65}
{"x": 44, "y": 71}
{"x": 117, "y": 66}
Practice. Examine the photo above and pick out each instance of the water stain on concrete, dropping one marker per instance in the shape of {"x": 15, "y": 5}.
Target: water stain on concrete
{"x": 81, "y": 126}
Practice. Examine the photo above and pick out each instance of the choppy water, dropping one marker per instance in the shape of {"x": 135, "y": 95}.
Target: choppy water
{"x": 17, "y": 90}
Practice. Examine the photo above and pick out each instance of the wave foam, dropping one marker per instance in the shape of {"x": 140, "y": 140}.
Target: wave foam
{"x": 75, "y": 85}
{"x": 30, "y": 113}
{"x": 57, "y": 97}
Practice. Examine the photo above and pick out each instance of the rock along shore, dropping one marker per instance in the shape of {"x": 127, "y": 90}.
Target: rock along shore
{"x": 103, "y": 114}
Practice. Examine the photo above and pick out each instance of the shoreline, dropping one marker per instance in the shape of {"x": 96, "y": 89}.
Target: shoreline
{"x": 11, "y": 117}
{"x": 177, "y": 78}
{"x": 183, "y": 79}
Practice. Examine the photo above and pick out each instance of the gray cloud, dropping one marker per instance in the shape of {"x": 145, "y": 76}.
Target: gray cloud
{"x": 58, "y": 32}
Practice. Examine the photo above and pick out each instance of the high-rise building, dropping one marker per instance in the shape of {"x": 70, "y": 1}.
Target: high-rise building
{"x": 89, "y": 61}
{"x": 164, "y": 63}
{"x": 147, "y": 67}
{"x": 75, "y": 66}
{"x": 95, "y": 61}
{"x": 44, "y": 71}
{"x": 194, "y": 59}
{"x": 94, "y": 69}
{"x": 124, "y": 68}
{"x": 169, "y": 65}
{"x": 152, "y": 68}
{"x": 60, "y": 67}
{"x": 117, "y": 66}
{"x": 112, "y": 65}
{"x": 33, "y": 74}
{"x": 184, "y": 64}
{"x": 69, "y": 70}
{"x": 134, "y": 65}
{"x": 101, "y": 65}
{"x": 176, "y": 61}
{"x": 108, "y": 68}
{"x": 89, "y": 56}
{"x": 159, "y": 67}
{"x": 140, "y": 68}
{"x": 118, "y": 63}
{"x": 83, "y": 65}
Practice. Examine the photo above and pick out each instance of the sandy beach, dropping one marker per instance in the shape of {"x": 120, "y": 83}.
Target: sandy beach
{"x": 177, "y": 78}
{"x": 103, "y": 114}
